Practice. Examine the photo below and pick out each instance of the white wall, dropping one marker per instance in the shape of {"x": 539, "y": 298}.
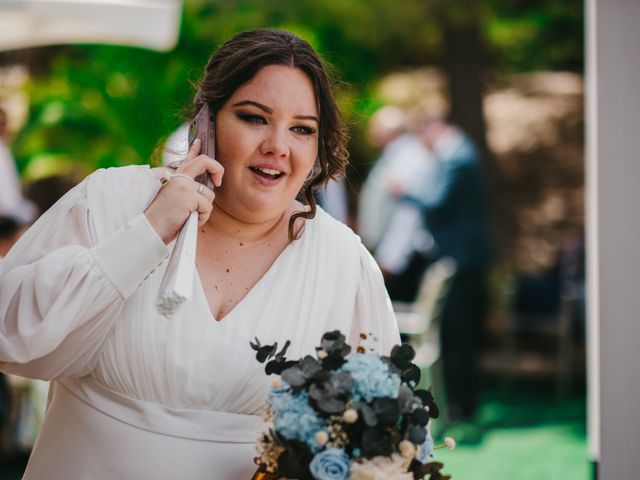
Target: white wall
{"x": 613, "y": 229}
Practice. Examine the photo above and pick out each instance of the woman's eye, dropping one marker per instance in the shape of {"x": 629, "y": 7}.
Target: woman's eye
{"x": 252, "y": 118}
{"x": 304, "y": 130}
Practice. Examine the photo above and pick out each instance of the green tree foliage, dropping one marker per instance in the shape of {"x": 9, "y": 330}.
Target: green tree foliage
{"x": 102, "y": 106}
{"x": 528, "y": 35}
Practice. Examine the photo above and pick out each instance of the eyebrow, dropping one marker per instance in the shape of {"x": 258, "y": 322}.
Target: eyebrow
{"x": 270, "y": 110}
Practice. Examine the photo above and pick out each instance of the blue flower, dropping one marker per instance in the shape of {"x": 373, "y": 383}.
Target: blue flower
{"x": 371, "y": 377}
{"x": 332, "y": 464}
{"x": 426, "y": 449}
{"x": 294, "y": 418}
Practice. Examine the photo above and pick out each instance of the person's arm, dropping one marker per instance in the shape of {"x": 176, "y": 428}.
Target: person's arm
{"x": 397, "y": 245}
{"x": 373, "y": 313}
{"x": 63, "y": 284}
{"x": 457, "y": 171}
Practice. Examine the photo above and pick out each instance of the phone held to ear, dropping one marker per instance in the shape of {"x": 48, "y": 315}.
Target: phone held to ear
{"x": 177, "y": 284}
{"x": 203, "y": 128}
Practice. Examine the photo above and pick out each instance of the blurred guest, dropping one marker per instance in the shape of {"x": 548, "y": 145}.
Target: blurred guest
{"x": 455, "y": 216}
{"x": 386, "y": 132}
{"x": 15, "y": 213}
{"x": 392, "y": 229}
{"x": 22, "y": 401}
{"x": 333, "y": 199}
{"x": 12, "y": 204}
{"x": 407, "y": 247}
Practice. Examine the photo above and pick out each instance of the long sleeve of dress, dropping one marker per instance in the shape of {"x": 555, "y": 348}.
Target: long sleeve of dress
{"x": 64, "y": 283}
{"x": 373, "y": 313}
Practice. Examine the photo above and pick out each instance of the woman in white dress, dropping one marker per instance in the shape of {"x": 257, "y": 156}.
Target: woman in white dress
{"x": 134, "y": 394}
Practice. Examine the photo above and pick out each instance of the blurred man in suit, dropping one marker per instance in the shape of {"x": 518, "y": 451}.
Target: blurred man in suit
{"x": 454, "y": 214}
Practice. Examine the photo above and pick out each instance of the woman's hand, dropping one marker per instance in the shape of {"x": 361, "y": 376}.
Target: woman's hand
{"x": 181, "y": 195}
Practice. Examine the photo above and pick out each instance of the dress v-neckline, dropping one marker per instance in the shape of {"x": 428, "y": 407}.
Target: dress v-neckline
{"x": 261, "y": 280}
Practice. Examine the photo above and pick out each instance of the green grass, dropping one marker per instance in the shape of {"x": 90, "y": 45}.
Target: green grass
{"x": 521, "y": 436}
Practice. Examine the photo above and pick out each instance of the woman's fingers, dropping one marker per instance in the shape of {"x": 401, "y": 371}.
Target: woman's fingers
{"x": 201, "y": 164}
{"x": 206, "y": 192}
{"x": 188, "y": 186}
{"x": 216, "y": 170}
{"x": 194, "y": 150}
{"x": 198, "y": 196}
{"x": 180, "y": 196}
{"x": 204, "y": 209}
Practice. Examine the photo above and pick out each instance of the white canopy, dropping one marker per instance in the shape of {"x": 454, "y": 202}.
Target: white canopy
{"x": 152, "y": 24}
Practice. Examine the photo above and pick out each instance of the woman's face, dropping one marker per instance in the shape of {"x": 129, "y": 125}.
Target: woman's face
{"x": 267, "y": 141}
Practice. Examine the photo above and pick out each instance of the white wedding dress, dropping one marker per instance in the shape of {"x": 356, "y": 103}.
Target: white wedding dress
{"x": 139, "y": 396}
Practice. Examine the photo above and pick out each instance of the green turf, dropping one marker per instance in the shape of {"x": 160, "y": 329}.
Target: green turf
{"x": 524, "y": 436}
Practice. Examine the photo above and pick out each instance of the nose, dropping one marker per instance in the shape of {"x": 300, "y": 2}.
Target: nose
{"x": 275, "y": 143}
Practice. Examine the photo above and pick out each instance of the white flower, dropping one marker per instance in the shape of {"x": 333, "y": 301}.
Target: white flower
{"x": 322, "y": 437}
{"x": 450, "y": 443}
{"x": 407, "y": 449}
{"x": 380, "y": 468}
{"x": 408, "y": 453}
{"x": 350, "y": 415}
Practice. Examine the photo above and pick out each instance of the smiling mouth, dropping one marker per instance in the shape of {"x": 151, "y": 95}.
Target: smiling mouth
{"x": 267, "y": 172}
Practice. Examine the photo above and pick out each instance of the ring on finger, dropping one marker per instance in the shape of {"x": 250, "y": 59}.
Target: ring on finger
{"x": 169, "y": 176}
{"x": 200, "y": 188}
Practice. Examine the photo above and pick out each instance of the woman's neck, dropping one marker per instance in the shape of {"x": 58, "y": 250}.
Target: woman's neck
{"x": 226, "y": 226}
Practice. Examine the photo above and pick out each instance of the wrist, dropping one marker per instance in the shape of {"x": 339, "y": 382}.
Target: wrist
{"x": 159, "y": 224}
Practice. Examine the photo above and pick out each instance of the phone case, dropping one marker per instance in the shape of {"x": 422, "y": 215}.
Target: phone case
{"x": 203, "y": 127}
{"x": 177, "y": 284}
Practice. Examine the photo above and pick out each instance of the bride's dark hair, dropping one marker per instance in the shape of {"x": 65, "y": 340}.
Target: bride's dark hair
{"x": 240, "y": 58}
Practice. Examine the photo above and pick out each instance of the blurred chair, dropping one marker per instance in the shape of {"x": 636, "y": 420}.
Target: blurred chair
{"x": 419, "y": 323}
{"x": 538, "y": 330}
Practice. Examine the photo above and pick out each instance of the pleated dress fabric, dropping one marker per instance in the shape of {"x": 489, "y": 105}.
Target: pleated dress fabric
{"x": 134, "y": 394}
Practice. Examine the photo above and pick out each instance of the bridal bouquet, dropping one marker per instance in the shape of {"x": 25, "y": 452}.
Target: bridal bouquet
{"x": 343, "y": 415}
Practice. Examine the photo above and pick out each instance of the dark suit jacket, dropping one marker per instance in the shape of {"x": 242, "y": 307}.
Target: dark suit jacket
{"x": 456, "y": 213}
